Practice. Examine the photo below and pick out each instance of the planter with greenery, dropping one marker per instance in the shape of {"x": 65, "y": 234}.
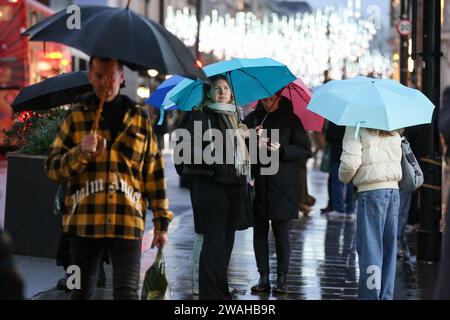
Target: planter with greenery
{"x": 30, "y": 195}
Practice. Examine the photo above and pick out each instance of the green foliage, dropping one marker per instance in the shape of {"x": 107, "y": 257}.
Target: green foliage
{"x": 33, "y": 133}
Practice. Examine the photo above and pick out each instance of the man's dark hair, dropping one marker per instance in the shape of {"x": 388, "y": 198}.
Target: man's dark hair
{"x": 119, "y": 63}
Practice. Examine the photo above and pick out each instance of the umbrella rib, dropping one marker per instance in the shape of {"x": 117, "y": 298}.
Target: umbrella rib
{"x": 297, "y": 89}
{"x": 234, "y": 94}
{"x": 268, "y": 92}
{"x": 385, "y": 109}
{"x": 190, "y": 91}
{"x": 149, "y": 23}
{"x": 169, "y": 34}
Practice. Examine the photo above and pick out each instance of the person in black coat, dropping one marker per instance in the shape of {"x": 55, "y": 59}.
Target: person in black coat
{"x": 443, "y": 283}
{"x": 277, "y": 196}
{"x": 342, "y": 195}
{"x": 219, "y": 193}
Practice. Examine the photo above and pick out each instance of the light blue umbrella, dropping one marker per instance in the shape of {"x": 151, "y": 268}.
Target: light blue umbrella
{"x": 250, "y": 79}
{"x": 371, "y": 103}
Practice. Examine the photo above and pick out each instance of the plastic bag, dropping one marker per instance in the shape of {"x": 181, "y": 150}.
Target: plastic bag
{"x": 156, "y": 286}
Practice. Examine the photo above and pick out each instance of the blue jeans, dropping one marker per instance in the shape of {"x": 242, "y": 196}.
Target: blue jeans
{"x": 405, "y": 205}
{"x": 342, "y": 198}
{"x": 376, "y": 233}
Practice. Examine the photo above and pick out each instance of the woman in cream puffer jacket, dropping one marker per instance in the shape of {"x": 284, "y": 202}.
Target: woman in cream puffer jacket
{"x": 372, "y": 162}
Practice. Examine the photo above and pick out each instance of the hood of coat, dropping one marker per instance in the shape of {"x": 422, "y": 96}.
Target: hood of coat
{"x": 261, "y": 113}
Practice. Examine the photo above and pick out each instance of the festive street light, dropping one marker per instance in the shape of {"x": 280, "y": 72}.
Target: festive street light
{"x": 336, "y": 40}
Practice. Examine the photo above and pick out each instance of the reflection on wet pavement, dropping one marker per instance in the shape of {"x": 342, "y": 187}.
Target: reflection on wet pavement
{"x": 324, "y": 264}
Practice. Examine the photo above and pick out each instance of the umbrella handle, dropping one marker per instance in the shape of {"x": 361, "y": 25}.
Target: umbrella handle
{"x": 111, "y": 65}
{"x": 101, "y": 146}
{"x": 358, "y": 126}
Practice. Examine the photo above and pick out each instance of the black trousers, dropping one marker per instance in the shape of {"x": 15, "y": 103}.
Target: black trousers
{"x": 261, "y": 244}
{"x": 303, "y": 182}
{"x": 125, "y": 256}
{"x": 214, "y": 260}
{"x": 218, "y": 241}
{"x": 63, "y": 255}
{"x": 219, "y": 210}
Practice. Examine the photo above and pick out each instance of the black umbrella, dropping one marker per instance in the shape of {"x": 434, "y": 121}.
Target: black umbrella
{"x": 120, "y": 34}
{"x": 52, "y": 92}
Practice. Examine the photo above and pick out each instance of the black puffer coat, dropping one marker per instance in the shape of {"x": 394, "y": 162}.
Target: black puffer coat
{"x": 277, "y": 196}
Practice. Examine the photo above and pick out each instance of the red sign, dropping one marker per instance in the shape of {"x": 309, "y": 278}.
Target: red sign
{"x": 404, "y": 27}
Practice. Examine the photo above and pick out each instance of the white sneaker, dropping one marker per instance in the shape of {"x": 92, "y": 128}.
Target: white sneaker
{"x": 336, "y": 215}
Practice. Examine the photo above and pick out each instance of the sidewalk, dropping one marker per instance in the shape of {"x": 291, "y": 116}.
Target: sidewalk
{"x": 323, "y": 260}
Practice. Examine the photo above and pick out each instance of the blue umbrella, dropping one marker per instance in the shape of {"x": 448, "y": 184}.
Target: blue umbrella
{"x": 158, "y": 96}
{"x": 371, "y": 103}
{"x": 250, "y": 79}
{"x": 168, "y": 104}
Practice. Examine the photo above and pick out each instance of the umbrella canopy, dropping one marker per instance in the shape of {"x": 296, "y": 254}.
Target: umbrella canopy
{"x": 250, "y": 80}
{"x": 299, "y": 94}
{"x": 158, "y": 96}
{"x": 121, "y": 34}
{"x": 371, "y": 103}
{"x": 52, "y": 92}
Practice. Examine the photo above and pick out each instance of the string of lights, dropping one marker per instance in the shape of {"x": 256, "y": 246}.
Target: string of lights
{"x": 336, "y": 40}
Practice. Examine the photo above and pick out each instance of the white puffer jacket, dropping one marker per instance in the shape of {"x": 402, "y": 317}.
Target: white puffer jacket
{"x": 372, "y": 161}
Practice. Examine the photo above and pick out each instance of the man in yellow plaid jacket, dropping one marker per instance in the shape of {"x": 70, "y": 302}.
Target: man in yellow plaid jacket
{"x": 109, "y": 185}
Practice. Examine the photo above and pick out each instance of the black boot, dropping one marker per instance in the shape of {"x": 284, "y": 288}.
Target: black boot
{"x": 263, "y": 283}
{"x": 281, "y": 287}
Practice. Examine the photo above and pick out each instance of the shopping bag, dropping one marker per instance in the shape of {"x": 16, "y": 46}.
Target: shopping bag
{"x": 156, "y": 286}
{"x": 412, "y": 175}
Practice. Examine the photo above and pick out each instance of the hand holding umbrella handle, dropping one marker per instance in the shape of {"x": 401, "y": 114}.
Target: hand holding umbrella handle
{"x": 93, "y": 145}
{"x": 101, "y": 147}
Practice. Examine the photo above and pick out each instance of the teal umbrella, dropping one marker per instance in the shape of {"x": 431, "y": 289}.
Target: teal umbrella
{"x": 371, "y": 103}
{"x": 250, "y": 80}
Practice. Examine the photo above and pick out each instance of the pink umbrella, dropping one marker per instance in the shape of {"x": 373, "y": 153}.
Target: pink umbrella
{"x": 299, "y": 94}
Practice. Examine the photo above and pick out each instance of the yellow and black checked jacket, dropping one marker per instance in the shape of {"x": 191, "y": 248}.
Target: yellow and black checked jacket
{"x": 107, "y": 196}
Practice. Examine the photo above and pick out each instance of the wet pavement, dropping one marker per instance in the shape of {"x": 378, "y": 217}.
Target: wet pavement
{"x": 323, "y": 266}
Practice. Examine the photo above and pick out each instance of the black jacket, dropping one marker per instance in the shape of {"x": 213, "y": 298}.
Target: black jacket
{"x": 221, "y": 173}
{"x": 335, "y": 136}
{"x": 277, "y": 196}
{"x": 216, "y": 188}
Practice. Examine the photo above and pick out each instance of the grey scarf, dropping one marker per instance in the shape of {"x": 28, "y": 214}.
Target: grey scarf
{"x": 229, "y": 115}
